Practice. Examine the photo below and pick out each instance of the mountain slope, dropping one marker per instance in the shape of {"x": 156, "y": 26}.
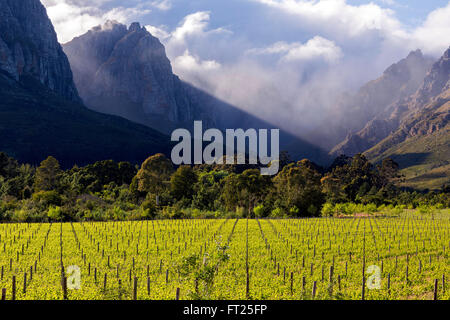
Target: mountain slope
{"x": 365, "y": 115}
{"x": 29, "y": 47}
{"x": 36, "y": 123}
{"x": 421, "y": 141}
{"x": 41, "y": 113}
{"x": 124, "y": 71}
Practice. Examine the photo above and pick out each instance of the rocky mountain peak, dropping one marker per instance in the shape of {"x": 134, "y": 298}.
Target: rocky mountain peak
{"x": 29, "y": 49}
{"x": 135, "y": 26}
{"x": 128, "y": 67}
{"x": 437, "y": 80}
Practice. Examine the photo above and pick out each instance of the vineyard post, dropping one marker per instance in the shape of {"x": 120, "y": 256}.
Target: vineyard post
{"x": 436, "y": 282}
{"x": 331, "y": 280}
{"x": 363, "y": 288}
{"x": 135, "y": 288}
{"x": 24, "y": 282}
{"x": 3, "y": 294}
{"x": 64, "y": 287}
{"x": 303, "y": 285}
{"x": 314, "y": 289}
{"x": 406, "y": 278}
{"x": 177, "y": 296}
{"x": 13, "y": 288}
{"x": 339, "y": 282}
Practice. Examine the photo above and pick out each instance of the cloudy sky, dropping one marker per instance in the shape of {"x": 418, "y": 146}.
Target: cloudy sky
{"x": 263, "y": 55}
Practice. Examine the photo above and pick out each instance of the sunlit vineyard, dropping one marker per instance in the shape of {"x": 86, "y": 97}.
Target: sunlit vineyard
{"x": 320, "y": 258}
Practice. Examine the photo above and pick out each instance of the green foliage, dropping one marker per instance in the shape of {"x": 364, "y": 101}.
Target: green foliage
{"x": 259, "y": 211}
{"x": 298, "y": 189}
{"x": 107, "y": 190}
{"x": 153, "y": 176}
{"x": 182, "y": 183}
{"x": 47, "y": 175}
{"x": 47, "y": 198}
{"x": 54, "y": 213}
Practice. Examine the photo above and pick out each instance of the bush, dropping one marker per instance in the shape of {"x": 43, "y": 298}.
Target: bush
{"x": 328, "y": 210}
{"x": 259, "y": 211}
{"x": 277, "y": 213}
{"x": 47, "y": 198}
{"x": 54, "y": 213}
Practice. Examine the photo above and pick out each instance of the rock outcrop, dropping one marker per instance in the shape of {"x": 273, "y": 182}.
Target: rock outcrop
{"x": 368, "y": 115}
{"x": 29, "y": 49}
{"x": 424, "y": 113}
{"x": 125, "y": 71}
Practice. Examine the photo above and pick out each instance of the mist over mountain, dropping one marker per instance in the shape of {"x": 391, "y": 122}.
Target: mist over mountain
{"x": 359, "y": 112}
{"x": 420, "y": 141}
{"x": 124, "y": 71}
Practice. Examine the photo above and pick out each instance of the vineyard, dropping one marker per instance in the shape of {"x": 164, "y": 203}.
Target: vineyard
{"x": 404, "y": 257}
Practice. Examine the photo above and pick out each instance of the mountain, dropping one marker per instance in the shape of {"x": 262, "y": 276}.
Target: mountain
{"x": 41, "y": 113}
{"x": 365, "y": 119}
{"x": 125, "y": 71}
{"x": 420, "y": 142}
{"x": 29, "y": 47}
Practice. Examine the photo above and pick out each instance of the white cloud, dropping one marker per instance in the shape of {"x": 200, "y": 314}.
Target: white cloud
{"x": 337, "y": 17}
{"x": 194, "y": 25}
{"x": 434, "y": 34}
{"x": 72, "y": 18}
{"x": 192, "y": 63}
{"x": 314, "y": 48}
{"x": 356, "y": 42}
{"x": 368, "y": 23}
{"x": 162, "y": 4}
{"x": 192, "y": 33}
{"x": 159, "y": 32}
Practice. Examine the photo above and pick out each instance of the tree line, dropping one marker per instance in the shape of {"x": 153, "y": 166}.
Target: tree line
{"x": 109, "y": 190}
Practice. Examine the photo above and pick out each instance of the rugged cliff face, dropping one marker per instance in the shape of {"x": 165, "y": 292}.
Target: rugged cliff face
{"x": 41, "y": 113}
{"x": 424, "y": 113}
{"x": 125, "y": 71}
{"x": 368, "y": 116}
{"x": 29, "y": 49}
{"x": 420, "y": 140}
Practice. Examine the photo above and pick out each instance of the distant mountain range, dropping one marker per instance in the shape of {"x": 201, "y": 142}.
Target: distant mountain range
{"x": 420, "y": 136}
{"x": 124, "y": 71}
{"x": 41, "y": 113}
{"x": 111, "y": 94}
{"x": 411, "y": 125}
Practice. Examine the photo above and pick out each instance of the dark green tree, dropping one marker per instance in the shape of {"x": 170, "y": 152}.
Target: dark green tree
{"x": 182, "y": 183}
{"x": 47, "y": 175}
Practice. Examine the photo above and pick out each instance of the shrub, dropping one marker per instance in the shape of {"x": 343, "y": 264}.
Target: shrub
{"x": 54, "y": 213}
{"x": 48, "y": 198}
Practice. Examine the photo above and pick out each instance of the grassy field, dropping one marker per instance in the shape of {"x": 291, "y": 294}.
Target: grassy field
{"x": 322, "y": 258}
{"x": 423, "y": 160}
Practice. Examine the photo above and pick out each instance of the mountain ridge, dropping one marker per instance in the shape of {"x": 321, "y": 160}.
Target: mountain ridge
{"x": 128, "y": 73}
{"x": 41, "y": 113}
{"x": 375, "y": 99}
{"x": 423, "y": 130}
